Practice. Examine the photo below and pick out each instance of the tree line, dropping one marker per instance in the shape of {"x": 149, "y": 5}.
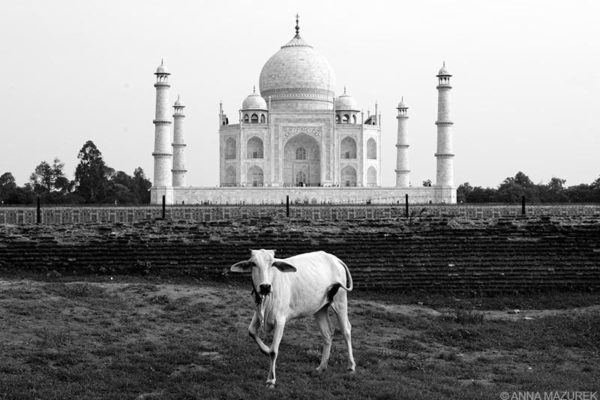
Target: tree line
{"x": 94, "y": 183}
{"x": 512, "y": 189}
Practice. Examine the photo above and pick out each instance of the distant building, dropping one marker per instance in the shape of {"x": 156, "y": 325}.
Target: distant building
{"x": 296, "y": 138}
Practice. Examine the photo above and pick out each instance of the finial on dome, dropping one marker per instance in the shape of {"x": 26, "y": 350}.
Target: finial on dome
{"x": 344, "y": 89}
{"x": 254, "y": 89}
{"x": 297, "y": 26}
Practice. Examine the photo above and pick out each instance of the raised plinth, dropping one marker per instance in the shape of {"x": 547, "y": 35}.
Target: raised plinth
{"x": 313, "y": 195}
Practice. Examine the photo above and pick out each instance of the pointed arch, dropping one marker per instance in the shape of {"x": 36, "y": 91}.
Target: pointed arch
{"x": 255, "y": 148}
{"x": 230, "y": 176}
{"x": 255, "y": 176}
{"x": 371, "y": 149}
{"x": 348, "y": 176}
{"x": 230, "y": 149}
{"x": 302, "y": 153}
{"x": 348, "y": 148}
{"x": 371, "y": 176}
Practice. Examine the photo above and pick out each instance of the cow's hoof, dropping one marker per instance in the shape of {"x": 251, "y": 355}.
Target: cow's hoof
{"x": 320, "y": 370}
{"x": 351, "y": 370}
{"x": 270, "y": 384}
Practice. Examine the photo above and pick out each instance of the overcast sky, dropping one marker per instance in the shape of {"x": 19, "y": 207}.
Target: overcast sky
{"x": 526, "y": 78}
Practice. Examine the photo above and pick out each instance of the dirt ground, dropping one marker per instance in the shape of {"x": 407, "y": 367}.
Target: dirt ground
{"x": 121, "y": 338}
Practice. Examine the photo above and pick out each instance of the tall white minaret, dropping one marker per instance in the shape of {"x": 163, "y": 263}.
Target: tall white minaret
{"x": 178, "y": 145}
{"x": 444, "y": 154}
{"x": 162, "y": 134}
{"x": 402, "y": 168}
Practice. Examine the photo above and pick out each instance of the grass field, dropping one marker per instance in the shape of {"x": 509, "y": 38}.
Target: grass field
{"x": 137, "y": 339}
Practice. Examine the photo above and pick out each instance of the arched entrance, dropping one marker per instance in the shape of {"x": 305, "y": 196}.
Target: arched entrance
{"x": 255, "y": 176}
{"x": 371, "y": 176}
{"x": 229, "y": 176}
{"x": 302, "y": 161}
{"x": 348, "y": 176}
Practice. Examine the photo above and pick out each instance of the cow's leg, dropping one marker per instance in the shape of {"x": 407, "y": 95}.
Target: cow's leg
{"x": 323, "y": 322}
{"x": 340, "y": 306}
{"x": 277, "y": 335}
{"x": 253, "y": 331}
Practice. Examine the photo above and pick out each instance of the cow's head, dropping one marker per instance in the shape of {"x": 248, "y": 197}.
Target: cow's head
{"x": 261, "y": 265}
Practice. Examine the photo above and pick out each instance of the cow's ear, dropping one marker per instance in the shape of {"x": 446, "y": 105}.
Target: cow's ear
{"x": 242, "y": 266}
{"x": 283, "y": 266}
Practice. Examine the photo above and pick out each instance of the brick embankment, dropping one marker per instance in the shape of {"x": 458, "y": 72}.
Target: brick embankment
{"x": 434, "y": 254}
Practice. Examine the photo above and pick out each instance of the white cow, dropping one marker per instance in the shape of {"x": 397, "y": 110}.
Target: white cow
{"x": 299, "y": 286}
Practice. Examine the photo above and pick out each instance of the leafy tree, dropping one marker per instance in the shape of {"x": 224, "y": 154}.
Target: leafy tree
{"x": 125, "y": 189}
{"x": 554, "y": 191}
{"x": 427, "y": 183}
{"x": 91, "y": 174}
{"x": 512, "y": 189}
{"x": 595, "y": 189}
{"x": 41, "y": 178}
{"x": 8, "y": 186}
{"x": 482, "y": 195}
{"x": 11, "y": 193}
{"x": 141, "y": 186}
{"x": 48, "y": 178}
{"x": 463, "y": 192}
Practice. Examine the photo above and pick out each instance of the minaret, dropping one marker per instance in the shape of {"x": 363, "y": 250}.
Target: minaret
{"x": 178, "y": 145}
{"x": 402, "y": 168}
{"x": 162, "y": 134}
{"x": 444, "y": 154}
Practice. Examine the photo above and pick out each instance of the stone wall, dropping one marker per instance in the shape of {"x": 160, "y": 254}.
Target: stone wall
{"x": 209, "y": 213}
{"x": 510, "y": 254}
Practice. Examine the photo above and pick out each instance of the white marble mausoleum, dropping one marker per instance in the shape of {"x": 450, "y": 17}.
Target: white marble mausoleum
{"x": 296, "y": 138}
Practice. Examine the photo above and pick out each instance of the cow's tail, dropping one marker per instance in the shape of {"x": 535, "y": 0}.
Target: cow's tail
{"x": 348, "y": 278}
{"x": 336, "y": 286}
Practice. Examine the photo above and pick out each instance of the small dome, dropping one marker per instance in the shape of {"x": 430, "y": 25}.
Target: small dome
{"x": 254, "y": 102}
{"x": 401, "y": 104}
{"x": 162, "y": 69}
{"x": 444, "y": 71}
{"x": 178, "y": 102}
{"x": 346, "y": 103}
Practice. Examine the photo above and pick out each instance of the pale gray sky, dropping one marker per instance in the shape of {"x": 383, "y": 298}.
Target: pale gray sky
{"x": 526, "y": 78}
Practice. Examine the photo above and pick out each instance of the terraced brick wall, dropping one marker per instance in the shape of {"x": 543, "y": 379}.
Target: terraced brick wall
{"x": 426, "y": 253}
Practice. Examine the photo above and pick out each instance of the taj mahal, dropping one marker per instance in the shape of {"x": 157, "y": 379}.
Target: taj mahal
{"x": 296, "y": 138}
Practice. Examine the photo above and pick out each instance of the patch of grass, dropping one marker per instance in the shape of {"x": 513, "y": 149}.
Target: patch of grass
{"x": 53, "y": 338}
{"x": 186, "y": 347}
{"x": 406, "y": 344}
{"x": 577, "y": 331}
{"x": 533, "y": 301}
{"x": 466, "y": 317}
{"x": 76, "y": 290}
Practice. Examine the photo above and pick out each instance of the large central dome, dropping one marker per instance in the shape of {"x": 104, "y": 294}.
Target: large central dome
{"x": 297, "y": 77}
